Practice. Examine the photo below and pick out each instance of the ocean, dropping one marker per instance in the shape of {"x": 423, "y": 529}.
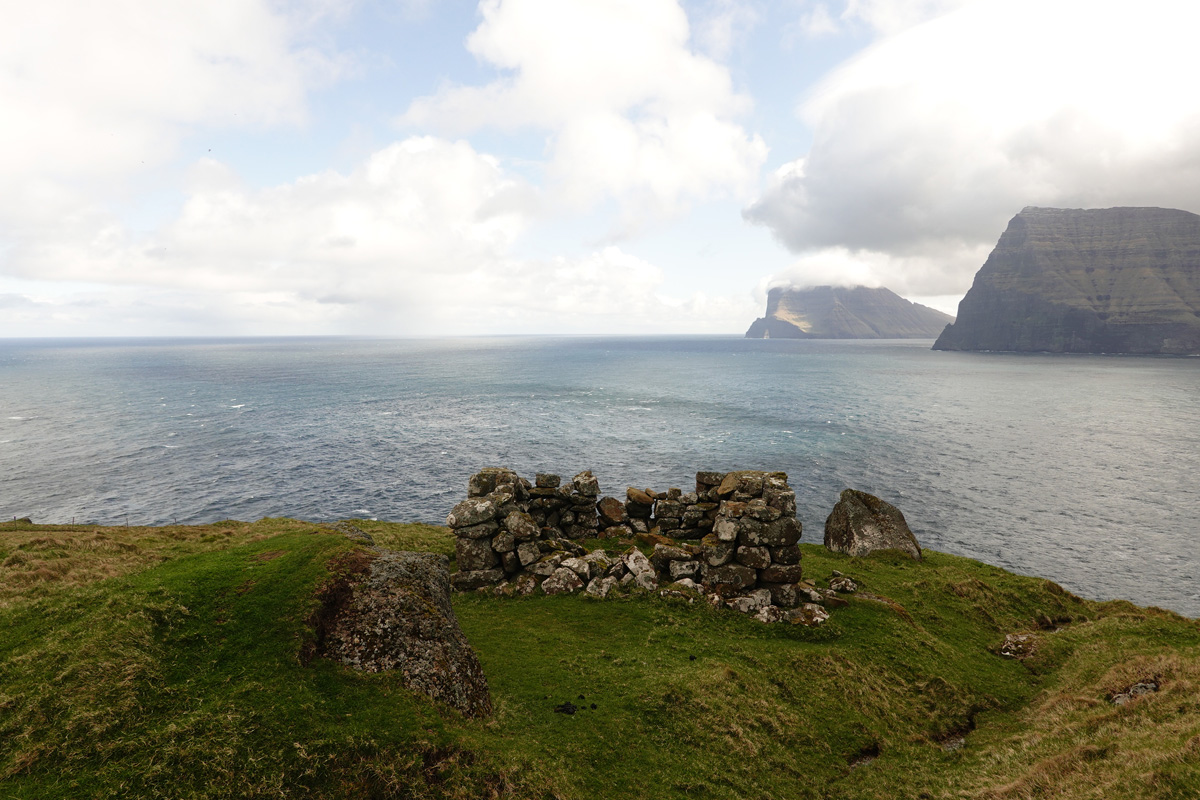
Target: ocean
{"x": 1082, "y": 469}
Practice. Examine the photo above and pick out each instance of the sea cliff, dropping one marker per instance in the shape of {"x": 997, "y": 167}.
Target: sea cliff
{"x": 839, "y": 312}
{"x": 1115, "y": 280}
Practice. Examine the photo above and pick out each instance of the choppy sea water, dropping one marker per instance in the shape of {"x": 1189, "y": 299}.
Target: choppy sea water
{"x": 1083, "y": 469}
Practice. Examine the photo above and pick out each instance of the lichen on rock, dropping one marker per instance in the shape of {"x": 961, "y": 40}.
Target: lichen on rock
{"x": 862, "y": 524}
{"x": 391, "y": 611}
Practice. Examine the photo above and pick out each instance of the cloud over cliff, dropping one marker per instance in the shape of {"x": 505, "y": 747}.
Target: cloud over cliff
{"x": 927, "y": 142}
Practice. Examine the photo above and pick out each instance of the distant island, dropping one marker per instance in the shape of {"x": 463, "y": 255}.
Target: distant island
{"x": 838, "y": 312}
{"x": 1113, "y": 280}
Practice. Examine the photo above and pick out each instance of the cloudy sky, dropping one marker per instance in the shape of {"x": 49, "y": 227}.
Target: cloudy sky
{"x": 436, "y": 167}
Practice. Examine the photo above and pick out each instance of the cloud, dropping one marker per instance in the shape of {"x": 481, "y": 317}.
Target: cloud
{"x": 423, "y": 236}
{"x": 418, "y": 207}
{"x": 632, "y": 113}
{"x": 98, "y": 98}
{"x": 723, "y": 24}
{"x": 816, "y": 21}
{"x": 607, "y": 290}
{"x": 419, "y": 239}
{"x": 819, "y": 18}
{"x": 99, "y": 89}
{"x": 926, "y": 143}
{"x": 11, "y": 301}
{"x": 912, "y": 276}
{"x": 889, "y": 17}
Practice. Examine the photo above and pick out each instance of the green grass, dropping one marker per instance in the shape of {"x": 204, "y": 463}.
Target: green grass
{"x": 163, "y": 662}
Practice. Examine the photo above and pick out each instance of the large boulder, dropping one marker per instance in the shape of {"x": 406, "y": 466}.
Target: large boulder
{"x": 562, "y": 581}
{"x": 730, "y": 577}
{"x": 392, "y": 611}
{"x": 472, "y": 511}
{"x": 612, "y": 512}
{"x": 474, "y": 554}
{"x": 862, "y": 524}
{"x": 585, "y": 483}
{"x": 490, "y": 479}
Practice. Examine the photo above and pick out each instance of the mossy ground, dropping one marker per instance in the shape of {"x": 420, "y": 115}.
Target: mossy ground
{"x": 163, "y": 662}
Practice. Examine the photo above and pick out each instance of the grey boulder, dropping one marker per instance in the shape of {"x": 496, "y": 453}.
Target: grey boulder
{"x": 862, "y": 524}
{"x": 392, "y": 612}
{"x": 562, "y": 581}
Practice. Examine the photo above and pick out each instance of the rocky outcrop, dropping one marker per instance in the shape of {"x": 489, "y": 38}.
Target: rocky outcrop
{"x": 391, "y": 611}
{"x": 1114, "y": 280}
{"x": 862, "y": 524}
{"x": 836, "y": 312}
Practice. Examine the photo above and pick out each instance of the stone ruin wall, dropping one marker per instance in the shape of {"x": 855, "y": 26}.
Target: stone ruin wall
{"x": 733, "y": 539}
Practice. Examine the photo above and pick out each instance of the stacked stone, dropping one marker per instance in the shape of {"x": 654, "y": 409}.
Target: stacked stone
{"x": 747, "y": 555}
{"x": 756, "y": 534}
{"x": 506, "y": 525}
{"x": 613, "y": 519}
{"x": 687, "y": 515}
{"x": 675, "y": 513}
{"x": 512, "y": 536}
{"x": 489, "y": 526}
{"x": 750, "y": 559}
{"x": 639, "y": 508}
{"x": 565, "y": 511}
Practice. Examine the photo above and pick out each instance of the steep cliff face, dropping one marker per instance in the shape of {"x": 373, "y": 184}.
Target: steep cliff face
{"x": 835, "y": 312}
{"x": 1114, "y": 280}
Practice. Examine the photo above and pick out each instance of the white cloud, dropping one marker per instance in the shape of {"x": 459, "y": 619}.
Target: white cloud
{"x": 419, "y": 239}
{"x": 930, "y": 140}
{"x": 911, "y": 276}
{"x": 415, "y": 209}
{"x": 608, "y": 290}
{"x": 98, "y": 89}
{"x": 889, "y": 17}
{"x": 422, "y": 237}
{"x": 631, "y": 111}
{"x": 723, "y": 24}
{"x": 97, "y": 94}
{"x": 817, "y": 21}
{"x": 818, "y": 18}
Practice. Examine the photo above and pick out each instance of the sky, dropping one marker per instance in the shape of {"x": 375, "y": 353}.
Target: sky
{"x": 437, "y": 168}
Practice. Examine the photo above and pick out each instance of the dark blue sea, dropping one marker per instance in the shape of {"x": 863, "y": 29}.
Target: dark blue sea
{"x": 1083, "y": 469}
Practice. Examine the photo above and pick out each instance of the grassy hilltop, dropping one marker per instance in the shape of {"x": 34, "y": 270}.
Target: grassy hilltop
{"x": 163, "y": 662}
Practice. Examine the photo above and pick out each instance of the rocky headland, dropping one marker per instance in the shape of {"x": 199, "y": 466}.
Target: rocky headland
{"x": 839, "y": 312}
{"x": 1113, "y": 280}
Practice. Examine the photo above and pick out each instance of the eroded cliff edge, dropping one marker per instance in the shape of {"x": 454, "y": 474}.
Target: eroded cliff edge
{"x": 1113, "y": 280}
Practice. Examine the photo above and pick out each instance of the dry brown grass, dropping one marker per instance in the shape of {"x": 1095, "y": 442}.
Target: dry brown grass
{"x": 1074, "y": 743}
{"x": 38, "y": 559}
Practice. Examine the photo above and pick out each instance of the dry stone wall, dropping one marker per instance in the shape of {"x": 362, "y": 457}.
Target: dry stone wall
{"x": 733, "y": 539}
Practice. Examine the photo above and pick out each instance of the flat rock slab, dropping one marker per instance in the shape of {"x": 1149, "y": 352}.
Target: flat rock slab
{"x": 391, "y": 611}
{"x": 862, "y": 524}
